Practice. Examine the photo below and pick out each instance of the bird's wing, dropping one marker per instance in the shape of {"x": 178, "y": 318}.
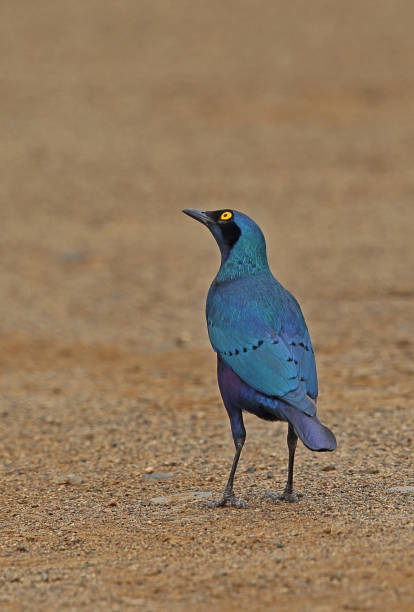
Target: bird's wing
{"x": 267, "y": 363}
{"x": 301, "y": 347}
{"x": 272, "y": 354}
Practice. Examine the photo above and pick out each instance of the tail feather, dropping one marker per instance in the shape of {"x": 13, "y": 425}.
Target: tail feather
{"x": 310, "y": 430}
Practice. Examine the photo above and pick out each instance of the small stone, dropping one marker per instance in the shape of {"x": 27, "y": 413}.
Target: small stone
{"x": 183, "y": 339}
{"x": 158, "y": 476}
{"x": 405, "y": 490}
{"x": 111, "y": 503}
{"x": 149, "y": 470}
{"x": 12, "y": 577}
{"x": 328, "y": 468}
{"x": 44, "y": 575}
{"x": 70, "y": 479}
{"x": 250, "y": 469}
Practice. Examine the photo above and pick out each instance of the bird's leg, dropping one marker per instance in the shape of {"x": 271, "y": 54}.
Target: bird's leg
{"x": 228, "y": 493}
{"x": 230, "y": 397}
{"x": 292, "y": 439}
{"x": 288, "y": 494}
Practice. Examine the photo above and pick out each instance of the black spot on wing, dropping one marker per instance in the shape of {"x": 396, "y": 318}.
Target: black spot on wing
{"x": 237, "y": 351}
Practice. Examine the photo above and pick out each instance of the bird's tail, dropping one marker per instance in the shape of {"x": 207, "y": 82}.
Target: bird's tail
{"x": 310, "y": 430}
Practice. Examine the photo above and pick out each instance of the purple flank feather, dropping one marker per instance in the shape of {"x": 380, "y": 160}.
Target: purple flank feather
{"x": 237, "y": 395}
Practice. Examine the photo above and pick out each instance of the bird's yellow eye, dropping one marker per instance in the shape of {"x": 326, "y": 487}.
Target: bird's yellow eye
{"x": 226, "y": 215}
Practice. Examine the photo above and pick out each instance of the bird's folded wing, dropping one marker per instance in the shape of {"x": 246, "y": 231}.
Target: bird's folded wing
{"x": 267, "y": 364}
{"x": 302, "y": 351}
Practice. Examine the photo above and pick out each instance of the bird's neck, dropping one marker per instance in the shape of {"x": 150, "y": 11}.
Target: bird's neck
{"x": 241, "y": 261}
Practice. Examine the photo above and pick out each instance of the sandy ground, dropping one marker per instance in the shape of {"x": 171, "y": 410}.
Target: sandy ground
{"x": 114, "y": 117}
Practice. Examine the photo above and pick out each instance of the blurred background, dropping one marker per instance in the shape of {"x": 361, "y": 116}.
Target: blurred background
{"x": 114, "y": 117}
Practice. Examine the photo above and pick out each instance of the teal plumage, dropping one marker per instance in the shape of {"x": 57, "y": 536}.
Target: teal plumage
{"x": 265, "y": 355}
{"x": 263, "y": 338}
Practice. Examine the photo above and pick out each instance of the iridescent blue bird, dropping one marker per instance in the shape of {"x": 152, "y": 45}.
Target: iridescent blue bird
{"x": 265, "y": 360}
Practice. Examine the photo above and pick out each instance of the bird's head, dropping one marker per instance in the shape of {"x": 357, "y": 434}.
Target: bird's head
{"x": 240, "y": 239}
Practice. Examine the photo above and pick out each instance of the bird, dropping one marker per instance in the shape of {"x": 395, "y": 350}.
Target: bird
{"x": 265, "y": 359}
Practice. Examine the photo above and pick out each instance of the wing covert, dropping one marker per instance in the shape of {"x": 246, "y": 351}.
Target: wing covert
{"x": 265, "y": 364}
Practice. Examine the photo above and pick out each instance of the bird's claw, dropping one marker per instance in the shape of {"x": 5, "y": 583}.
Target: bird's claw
{"x": 289, "y": 496}
{"x": 228, "y": 499}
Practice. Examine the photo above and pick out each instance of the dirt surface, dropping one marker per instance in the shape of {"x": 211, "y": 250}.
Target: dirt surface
{"x": 114, "y": 117}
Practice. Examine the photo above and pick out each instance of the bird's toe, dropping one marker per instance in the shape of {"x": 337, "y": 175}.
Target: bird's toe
{"x": 238, "y": 502}
{"x": 290, "y": 497}
{"x": 228, "y": 499}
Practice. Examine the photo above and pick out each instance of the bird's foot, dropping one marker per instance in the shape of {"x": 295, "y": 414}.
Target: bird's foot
{"x": 228, "y": 499}
{"x": 289, "y": 496}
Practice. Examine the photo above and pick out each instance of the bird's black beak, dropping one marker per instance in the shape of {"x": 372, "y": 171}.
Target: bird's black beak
{"x": 199, "y": 215}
